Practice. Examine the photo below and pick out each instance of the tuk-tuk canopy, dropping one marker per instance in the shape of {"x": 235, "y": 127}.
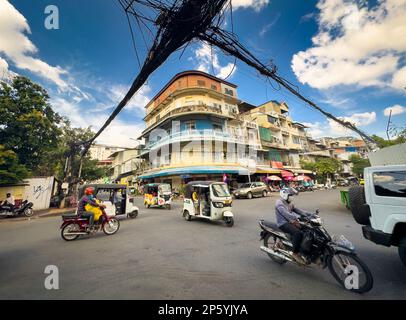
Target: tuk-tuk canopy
{"x": 98, "y": 186}
{"x": 198, "y": 184}
{"x": 154, "y": 185}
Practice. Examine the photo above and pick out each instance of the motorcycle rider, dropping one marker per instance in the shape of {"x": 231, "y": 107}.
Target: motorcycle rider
{"x": 9, "y": 202}
{"x": 287, "y": 220}
{"x": 88, "y": 199}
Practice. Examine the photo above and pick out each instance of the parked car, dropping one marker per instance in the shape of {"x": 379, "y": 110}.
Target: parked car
{"x": 250, "y": 190}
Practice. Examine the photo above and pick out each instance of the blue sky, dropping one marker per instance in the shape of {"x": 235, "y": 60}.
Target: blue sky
{"x": 345, "y": 55}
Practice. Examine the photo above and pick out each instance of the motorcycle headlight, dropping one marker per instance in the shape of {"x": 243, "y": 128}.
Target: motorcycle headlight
{"x": 218, "y": 204}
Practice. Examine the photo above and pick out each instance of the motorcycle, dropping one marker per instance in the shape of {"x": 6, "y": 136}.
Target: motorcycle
{"x": 25, "y": 209}
{"x": 74, "y": 226}
{"x": 338, "y": 255}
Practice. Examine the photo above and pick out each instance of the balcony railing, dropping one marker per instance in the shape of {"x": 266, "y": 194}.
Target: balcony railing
{"x": 197, "y": 108}
{"x": 202, "y": 135}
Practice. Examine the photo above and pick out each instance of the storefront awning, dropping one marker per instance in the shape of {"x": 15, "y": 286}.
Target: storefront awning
{"x": 265, "y": 169}
{"x": 301, "y": 171}
{"x": 196, "y": 170}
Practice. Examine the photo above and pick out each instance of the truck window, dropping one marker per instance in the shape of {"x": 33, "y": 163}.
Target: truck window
{"x": 390, "y": 183}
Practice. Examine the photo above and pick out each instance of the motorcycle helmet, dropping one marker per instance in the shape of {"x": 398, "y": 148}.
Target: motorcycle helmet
{"x": 89, "y": 191}
{"x": 286, "y": 193}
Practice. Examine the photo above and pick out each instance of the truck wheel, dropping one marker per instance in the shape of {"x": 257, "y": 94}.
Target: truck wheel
{"x": 402, "y": 250}
{"x": 360, "y": 211}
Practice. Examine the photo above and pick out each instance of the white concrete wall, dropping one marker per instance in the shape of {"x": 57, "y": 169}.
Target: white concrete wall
{"x": 39, "y": 192}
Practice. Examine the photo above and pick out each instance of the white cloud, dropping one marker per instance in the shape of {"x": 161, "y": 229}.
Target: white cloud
{"x": 399, "y": 79}
{"x": 396, "y": 109}
{"x": 257, "y": 5}
{"x": 118, "y": 133}
{"x": 137, "y": 102}
{"x": 18, "y": 48}
{"x": 207, "y": 57}
{"x": 355, "y": 46}
{"x": 333, "y": 129}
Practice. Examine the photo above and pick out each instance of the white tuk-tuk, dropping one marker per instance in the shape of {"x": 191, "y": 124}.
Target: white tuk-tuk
{"x": 116, "y": 198}
{"x": 209, "y": 200}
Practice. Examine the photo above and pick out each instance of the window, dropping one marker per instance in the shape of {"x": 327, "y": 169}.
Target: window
{"x": 217, "y": 127}
{"x": 390, "y": 184}
{"x": 190, "y": 125}
{"x": 228, "y": 91}
{"x": 272, "y": 120}
{"x": 213, "y": 87}
{"x": 220, "y": 190}
{"x": 201, "y": 83}
{"x": 296, "y": 140}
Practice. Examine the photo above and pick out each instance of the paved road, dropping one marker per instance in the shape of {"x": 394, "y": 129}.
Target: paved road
{"x": 161, "y": 256}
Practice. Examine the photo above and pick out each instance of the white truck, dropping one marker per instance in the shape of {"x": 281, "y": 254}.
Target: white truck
{"x": 380, "y": 205}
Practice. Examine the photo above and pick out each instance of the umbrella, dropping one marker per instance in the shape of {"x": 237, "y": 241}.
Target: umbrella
{"x": 306, "y": 178}
{"x": 274, "y": 178}
{"x": 289, "y": 178}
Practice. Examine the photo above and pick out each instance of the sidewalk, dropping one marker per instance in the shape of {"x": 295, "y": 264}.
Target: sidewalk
{"x": 51, "y": 212}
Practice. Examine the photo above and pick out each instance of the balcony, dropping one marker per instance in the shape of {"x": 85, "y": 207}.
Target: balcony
{"x": 200, "y": 135}
{"x": 199, "y": 108}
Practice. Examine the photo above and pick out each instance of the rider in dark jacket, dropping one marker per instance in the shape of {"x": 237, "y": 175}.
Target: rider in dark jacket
{"x": 287, "y": 219}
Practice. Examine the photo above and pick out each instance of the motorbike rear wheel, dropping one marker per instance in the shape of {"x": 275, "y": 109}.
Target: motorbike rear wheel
{"x": 71, "y": 227}
{"x": 270, "y": 242}
{"x": 338, "y": 265}
{"x": 111, "y": 227}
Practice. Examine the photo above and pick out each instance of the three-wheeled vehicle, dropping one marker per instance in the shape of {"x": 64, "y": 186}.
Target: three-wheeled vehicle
{"x": 158, "y": 194}
{"x": 209, "y": 200}
{"x": 116, "y": 198}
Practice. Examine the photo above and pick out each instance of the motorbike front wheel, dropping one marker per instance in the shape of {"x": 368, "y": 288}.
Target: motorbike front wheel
{"x": 111, "y": 227}
{"x": 71, "y": 227}
{"x": 350, "y": 271}
{"x": 28, "y": 212}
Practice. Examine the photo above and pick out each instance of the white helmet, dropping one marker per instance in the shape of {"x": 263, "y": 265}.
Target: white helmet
{"x": 285, "y": 193}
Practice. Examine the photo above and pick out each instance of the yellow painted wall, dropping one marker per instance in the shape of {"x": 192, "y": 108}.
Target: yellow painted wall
{"x": 17, "y": 191}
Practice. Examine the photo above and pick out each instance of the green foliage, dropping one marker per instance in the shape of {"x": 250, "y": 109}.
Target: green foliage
{"x": 358, "y": 164}
{"x": 308, "y": 165}
{"x": 323, "y": 167}
{"x": 90, "y": 170}
{"x": 11, "y": 171}
{"x": 36, "y": 139}
{"x": 28, "y": 125}
{"x": 382, "y": 143}
{"x": 328, "y": 166}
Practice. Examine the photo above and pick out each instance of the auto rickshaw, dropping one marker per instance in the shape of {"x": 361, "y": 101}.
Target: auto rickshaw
{"x": 208, "y": 200}
{"x": 158, "y": 195}
{"x": 115, "y": 197}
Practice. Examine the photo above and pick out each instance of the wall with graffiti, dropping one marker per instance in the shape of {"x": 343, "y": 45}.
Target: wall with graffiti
{"x": 39, "y": 192}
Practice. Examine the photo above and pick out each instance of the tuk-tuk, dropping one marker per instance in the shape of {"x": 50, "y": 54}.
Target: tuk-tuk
{"x": 158, "y": 195}
{"x": 115, "y": 197}
{"x": 209, "y": 200}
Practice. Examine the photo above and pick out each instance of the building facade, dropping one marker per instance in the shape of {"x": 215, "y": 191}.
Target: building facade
{"x": 195, "y": 131}
{"x": 282, "y": 139}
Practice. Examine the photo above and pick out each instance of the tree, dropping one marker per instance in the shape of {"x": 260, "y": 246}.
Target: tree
{"x": 328, "y": 166}
{"x": 358, "y": 164}
{"x": 382, "y": 143}
{"x": 308, "y": 165}
{"x": 11, "y": 171}
{"x": 28, "y": 125}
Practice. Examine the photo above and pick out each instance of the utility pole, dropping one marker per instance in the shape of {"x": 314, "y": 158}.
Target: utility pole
{"x": 388, "y": 126}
